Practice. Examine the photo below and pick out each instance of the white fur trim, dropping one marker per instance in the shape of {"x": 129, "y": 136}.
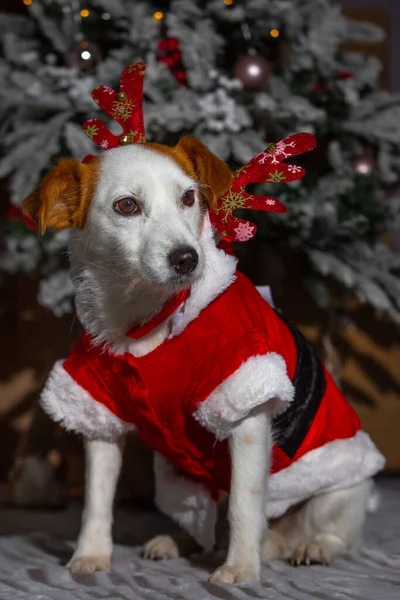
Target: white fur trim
{"x": 75, "y": 409}
{"x": 336, "y": 465}
{"x": 188, "y": 503}
{"x": 219, "y": 273}
{"x": 261, "y": 379}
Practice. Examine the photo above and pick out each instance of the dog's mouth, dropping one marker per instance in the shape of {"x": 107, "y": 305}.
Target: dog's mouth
{"x": 182, "y": 281}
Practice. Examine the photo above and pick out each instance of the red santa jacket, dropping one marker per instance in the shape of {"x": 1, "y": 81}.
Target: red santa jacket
{"x": 161, "y": 392}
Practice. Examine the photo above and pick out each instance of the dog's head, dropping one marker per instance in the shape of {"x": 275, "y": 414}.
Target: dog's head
{"x": 139, "y": 208}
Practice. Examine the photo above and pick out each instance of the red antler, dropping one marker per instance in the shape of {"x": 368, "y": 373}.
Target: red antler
{"x": 125, "y": 107}
{"x": 265, "y": 167}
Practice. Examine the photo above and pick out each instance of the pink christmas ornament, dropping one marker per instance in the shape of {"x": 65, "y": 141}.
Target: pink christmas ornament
{"x": 253, "y": 71}
{"x": 363, "y": 164}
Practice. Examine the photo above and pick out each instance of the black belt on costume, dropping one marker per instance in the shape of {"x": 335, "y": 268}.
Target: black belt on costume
{"x": 291, "y": 427}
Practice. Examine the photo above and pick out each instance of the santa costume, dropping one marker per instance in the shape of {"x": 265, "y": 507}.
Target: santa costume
{"x": 171, "y": 396}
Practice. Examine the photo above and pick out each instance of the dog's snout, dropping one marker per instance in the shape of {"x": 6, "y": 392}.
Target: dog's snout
{"x": 184, "y": 260}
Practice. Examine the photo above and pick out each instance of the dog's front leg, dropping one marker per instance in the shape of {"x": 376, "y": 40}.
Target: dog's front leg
{"x": 250, "y": 446}
{"x": 94, "y": 548}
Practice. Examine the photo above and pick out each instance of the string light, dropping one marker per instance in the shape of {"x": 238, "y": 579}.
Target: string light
{"x": 85, "y": 54}
{"x": 158, "y": 15}
{"x": 85, "y": 13}
{"x": 27, "y": 2}
{"x": 106, "y": 16}
{"x": 274, "y": 33}
{"x": 228, "y": 2}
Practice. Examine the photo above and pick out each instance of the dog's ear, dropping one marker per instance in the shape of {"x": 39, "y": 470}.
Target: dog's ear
{"x": 63, "y": 197}
{"x": 209, "y": 170}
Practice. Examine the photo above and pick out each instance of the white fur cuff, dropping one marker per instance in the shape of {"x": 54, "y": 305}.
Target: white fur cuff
{"x": 261, "y": 379}
{"x": 336, "y": 465}
{"x": 69, "y": 404}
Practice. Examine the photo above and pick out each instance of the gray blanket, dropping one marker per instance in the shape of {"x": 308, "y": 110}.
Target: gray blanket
{"x": 35, "y": 545}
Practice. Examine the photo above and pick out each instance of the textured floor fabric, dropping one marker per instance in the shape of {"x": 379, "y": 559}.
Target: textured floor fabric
{"x": 34, "y": 546}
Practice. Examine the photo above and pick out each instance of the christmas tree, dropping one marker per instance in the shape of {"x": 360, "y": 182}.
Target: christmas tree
{"x": 237, "y": 74}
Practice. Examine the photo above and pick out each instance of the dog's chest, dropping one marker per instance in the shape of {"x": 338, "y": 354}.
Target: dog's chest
{"x": 147, "y": 344}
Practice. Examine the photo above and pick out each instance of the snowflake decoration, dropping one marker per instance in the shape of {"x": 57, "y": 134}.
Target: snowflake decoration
{"x": 139, "y": 137}
{"x": 135, "y": 137}
{"x": 107, "y": 89}
{"x": 137, "y": 67}
{"x": 242, "y": 170}
{"x": 104, "y": 144}
{"x": 294, "y": 169}
{"x": 280, "y": 152}
{"x": 91, "y": 131}
{"x": 122, "y": 109}
{"x": 276, "y": 177}
{"x": 232, "y": 201}
{"x": 277, "y": 155}
{"x": 270, "y": 201}
{"x": 244, "y": 231}
{"x": 263, "y": 157}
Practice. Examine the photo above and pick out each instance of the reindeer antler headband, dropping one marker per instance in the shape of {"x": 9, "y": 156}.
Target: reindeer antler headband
{"x": 126, "y": 107}
{"x": 267, "y": 166}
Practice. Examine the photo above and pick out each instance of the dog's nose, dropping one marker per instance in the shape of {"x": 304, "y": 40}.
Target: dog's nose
{"x": 184, "y": 260}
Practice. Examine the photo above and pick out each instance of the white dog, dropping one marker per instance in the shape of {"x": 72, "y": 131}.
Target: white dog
{"x": 141, "y": 235}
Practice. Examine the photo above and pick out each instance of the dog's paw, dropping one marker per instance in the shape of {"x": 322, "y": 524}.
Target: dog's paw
{"x": 235, "y": 574}
{"x": 319, "y": 551}
{"x": 160, "y": 547}
{"x": 310, "y": 553}
{"x": 89, "y": 564}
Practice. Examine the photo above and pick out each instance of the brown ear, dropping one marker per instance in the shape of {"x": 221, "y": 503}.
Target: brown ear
{"x": 62, "y": 200}
{"x": 208, "y": 169}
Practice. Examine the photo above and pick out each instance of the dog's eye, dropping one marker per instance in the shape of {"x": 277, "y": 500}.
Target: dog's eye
{"x": 188, "y": 198}
{"x": 126, "y": 206}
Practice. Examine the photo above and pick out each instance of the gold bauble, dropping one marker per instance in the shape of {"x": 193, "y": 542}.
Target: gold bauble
{"x": 124, "y": 140}
{"x": 271, "y": 148}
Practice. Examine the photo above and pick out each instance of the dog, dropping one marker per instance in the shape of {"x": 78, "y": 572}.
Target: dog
{"x": 140, "y": 240}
